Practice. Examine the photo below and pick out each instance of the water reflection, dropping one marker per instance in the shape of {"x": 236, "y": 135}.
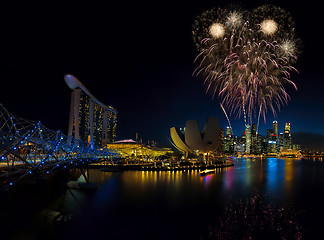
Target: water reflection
{"x": 248, "y": 172}
{"x": 185, "y": 200}
{"x": 188, "y": 202}
{"x": 105, "y": 195}
{"x": 228, "y": 181}
{"x": 177, "y": 204}
{"x": 271, "y": 175}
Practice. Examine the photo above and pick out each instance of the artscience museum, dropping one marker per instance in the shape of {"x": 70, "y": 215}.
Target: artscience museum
{"x": 191, "y": 140}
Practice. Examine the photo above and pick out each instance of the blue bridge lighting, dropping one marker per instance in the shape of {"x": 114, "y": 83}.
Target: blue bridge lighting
{"x": 30, "y": 147}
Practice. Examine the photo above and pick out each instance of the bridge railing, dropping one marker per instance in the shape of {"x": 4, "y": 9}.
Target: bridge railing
{"x": 28, "y": 147}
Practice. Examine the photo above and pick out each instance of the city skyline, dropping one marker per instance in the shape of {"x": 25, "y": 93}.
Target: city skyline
{"x": 162, "y": 120}
{"x": 144, "y": 70}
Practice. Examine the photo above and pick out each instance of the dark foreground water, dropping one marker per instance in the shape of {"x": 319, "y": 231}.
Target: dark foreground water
{"x": 283, "y": 197}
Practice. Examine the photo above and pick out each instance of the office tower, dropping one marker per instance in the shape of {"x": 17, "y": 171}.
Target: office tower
{"x": 247, "y": 138}
{"x": 287, "y": 136}
{"x": 220, "y": 150}
{"x": 263, "y": 144}
{"x": 281, "y": 142}
{"x": 254, "y": 139}
{"x": 275, "y": 135}
{"x": 271, "y": 141}
{"x": 269, "y": 135}
{"x": 275, "y": 128}
{"x": 228, "y": 131}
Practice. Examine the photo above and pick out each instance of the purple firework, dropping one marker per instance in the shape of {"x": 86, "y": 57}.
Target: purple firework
{"x": 246, "y": 57}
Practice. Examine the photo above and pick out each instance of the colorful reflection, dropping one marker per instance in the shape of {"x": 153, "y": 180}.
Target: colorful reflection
{"x": 272, "y": 175}
{"x": 207, "y": 180}
{"x": 229, "y": 177}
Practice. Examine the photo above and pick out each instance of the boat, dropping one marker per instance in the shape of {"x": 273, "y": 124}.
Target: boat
{"x": 206, "y": 172}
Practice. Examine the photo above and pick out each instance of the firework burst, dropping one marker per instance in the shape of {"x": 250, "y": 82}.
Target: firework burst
{"x": 245, "y": 57}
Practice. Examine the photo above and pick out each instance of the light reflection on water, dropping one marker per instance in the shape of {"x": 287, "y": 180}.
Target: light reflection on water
{"x": 183, "y": 199}
{"x": 268, "y": 175}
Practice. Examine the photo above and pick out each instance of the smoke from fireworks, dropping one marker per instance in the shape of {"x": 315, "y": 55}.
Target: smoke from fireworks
{"x": 245, "y": 57}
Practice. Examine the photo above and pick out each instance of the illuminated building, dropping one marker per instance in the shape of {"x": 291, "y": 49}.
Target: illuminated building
{"x": 220, "y": 149}
{"x": 130, "y": 149}
{"x": 287, "y": 137}
{"x": 239, "y": 145}
{"x": 228, "y": 141}
{"x": 272, "y": 147}
{"x": 271, "y": 141}
{"x": 192, "y": 140}
{"x": 228, "y": 144}
{"x": 254, "y": 139}
{"x": 228, "y": 131}
{"x": 90, "y": 120}
{"x": 269, "y": 134}
{"x": 239, "y": 148}
{"x": 281, "y": 142}
{"x": 263, "y": 144}
{"x": 296, "y": 147}
{"x": 275, "y": 134}
{"x": 247, "y": 138}
{"x": 275, "y": 127}
{"x": 290, "y": 153}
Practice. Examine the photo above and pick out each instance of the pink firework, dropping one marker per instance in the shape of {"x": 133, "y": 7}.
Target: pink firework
{"x": 245, "y": 58}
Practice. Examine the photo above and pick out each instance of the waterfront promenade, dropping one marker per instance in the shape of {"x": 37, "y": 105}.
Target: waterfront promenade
{"x": 162, "y": 166}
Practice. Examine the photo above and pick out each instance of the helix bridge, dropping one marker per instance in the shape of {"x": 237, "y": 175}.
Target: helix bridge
{"x": 29, "y": 149}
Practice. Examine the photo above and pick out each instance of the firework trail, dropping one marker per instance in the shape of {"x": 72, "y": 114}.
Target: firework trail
{"x": 229, "y": 122}
{"x": 246, "y": 57}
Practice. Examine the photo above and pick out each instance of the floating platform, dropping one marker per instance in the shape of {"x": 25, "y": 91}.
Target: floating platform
{"x": 152, "y": 167}
{"x": 206, "y": 172}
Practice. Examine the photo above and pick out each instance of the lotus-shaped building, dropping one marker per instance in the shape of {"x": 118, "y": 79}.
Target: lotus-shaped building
{"x": 191, "y": 140}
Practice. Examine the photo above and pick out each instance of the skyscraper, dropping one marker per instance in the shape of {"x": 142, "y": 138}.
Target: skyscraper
{"x": 287, "y": 136}
{"x": 275, "y": 134}
{"x": 269, "y": 134}
{"x": 275, "y": 127}
{"x": 220, "y": 150}
{"x": 281, "y": 142}
{"x": 269, "y": 140}
{"x": 254, "y": 139}
{"x": 228, "y": 131}
{"x": 90, "y": 120}
{"x": 247, "y": 138}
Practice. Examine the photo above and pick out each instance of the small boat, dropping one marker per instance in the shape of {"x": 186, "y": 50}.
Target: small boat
{"x": 206, "y": 172}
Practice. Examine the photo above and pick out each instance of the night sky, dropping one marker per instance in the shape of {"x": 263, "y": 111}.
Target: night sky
{"x": 138, "y": 57}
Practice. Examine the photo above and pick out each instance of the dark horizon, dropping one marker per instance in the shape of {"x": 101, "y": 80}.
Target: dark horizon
{"x": 138, "y": 58}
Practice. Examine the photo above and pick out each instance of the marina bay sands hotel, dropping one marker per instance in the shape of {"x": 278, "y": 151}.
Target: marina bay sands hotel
{"x": 90, "y": 120}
